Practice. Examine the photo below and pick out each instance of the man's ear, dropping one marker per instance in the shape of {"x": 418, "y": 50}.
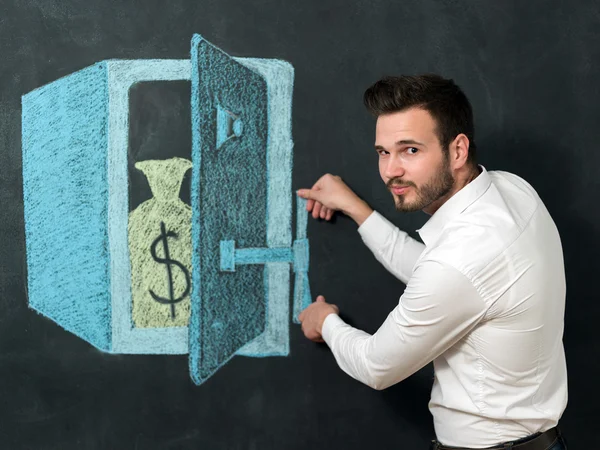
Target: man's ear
{"x": 459, "y": 151}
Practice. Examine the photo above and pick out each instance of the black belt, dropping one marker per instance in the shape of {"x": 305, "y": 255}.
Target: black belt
{"x": 539, "y": 441}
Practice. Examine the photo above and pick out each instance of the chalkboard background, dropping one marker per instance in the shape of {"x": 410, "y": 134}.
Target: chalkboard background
{"x": 532, "y": 72}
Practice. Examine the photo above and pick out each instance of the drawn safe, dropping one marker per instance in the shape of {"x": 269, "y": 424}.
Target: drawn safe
{"x": 225, "y": 257}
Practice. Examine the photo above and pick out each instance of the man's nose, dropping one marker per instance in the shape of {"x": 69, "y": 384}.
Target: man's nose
{"x": 394, "y": 167}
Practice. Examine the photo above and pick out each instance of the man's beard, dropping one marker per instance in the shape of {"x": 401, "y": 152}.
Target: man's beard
{"x": 439, "y": 185}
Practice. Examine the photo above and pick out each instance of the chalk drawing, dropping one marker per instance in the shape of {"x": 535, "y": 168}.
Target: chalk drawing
{"x": 160, "y": 245}
{"x": 211, "y": 279}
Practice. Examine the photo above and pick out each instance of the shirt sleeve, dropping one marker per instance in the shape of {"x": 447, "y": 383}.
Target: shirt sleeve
{"x": 393, "y": 248}
{"x": 439, "y": 307}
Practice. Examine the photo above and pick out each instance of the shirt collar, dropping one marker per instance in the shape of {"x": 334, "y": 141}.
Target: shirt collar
{"x": 454, "y": 206}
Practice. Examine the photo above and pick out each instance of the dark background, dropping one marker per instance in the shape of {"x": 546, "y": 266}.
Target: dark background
{"x": 160, "y": 127}
{"x": 531, "y": 70}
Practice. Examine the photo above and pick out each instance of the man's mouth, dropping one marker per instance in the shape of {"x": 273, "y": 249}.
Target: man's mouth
{"x": 399, "y": 190}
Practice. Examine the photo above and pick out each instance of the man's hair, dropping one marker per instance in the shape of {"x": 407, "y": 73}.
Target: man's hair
{"x": 442, "y": 98}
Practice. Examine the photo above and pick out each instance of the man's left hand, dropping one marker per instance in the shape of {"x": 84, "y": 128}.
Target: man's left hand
{"x": 312, "y": 318}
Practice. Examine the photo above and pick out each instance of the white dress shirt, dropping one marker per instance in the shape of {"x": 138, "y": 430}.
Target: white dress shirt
{"x": 484, "y": 300}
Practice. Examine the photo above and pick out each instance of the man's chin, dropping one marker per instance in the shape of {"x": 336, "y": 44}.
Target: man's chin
{"x": 401, "y": 204}
{"x": 406, "y": 207}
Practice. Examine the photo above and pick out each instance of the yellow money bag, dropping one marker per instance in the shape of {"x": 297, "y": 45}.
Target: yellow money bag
{"x": 160, "y": 248}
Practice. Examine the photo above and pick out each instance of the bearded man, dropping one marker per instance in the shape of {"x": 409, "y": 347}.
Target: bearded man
{"x": 485, "y": 291}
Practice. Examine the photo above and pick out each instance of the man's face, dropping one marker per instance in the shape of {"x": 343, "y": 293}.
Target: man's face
{"x": 411, "y": 161}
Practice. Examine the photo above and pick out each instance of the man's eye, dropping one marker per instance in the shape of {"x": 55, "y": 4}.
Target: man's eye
{"x": 382, "y": 152}
{"x": 412, "y": 150}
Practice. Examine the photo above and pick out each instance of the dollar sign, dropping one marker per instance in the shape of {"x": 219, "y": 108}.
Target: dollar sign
{"x": 164, "y": 235}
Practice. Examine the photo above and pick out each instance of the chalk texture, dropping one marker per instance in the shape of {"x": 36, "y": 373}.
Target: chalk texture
{"x": 97, "y": 270}
{"x": 153, "y": 275}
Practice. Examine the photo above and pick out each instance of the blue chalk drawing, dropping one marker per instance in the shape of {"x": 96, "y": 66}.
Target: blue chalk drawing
{"x": 248, "y": 166}
{"x": 66, "y": 190}
{"x": 75, "y": 181}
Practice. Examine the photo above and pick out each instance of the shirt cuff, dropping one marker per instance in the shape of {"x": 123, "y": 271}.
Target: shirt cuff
{"x": 375, "y": 230}
{"x": 331, "y": 322}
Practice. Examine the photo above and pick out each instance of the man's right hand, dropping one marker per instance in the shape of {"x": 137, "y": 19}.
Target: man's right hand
{"x": 330, "y": 194}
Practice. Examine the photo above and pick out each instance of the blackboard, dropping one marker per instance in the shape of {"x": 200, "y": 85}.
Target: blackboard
{"x": 531, "y": 72}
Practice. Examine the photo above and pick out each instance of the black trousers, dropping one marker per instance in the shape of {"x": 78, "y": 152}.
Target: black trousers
{"x": 549, "y": 440}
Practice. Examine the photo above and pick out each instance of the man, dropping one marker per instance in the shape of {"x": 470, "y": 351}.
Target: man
{"x": 485, "y": 294}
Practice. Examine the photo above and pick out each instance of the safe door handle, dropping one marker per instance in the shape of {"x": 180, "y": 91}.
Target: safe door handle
{"x": 298, "y": 256}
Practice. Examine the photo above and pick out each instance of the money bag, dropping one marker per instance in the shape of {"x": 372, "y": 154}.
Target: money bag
{"x": 160, "y": 248}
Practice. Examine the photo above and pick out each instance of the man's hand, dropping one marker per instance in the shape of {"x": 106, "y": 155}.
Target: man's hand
{"x": 312, "y": 318}
{"x": 330, "y": 194}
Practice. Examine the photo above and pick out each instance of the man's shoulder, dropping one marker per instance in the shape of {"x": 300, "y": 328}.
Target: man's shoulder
{"x": 510, "y": 183}
{"x": 473, "y": 240}
{"x": 475, "y": 237}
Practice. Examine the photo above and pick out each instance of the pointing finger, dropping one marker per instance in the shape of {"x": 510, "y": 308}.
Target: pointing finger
{"x": 304, "y": 193}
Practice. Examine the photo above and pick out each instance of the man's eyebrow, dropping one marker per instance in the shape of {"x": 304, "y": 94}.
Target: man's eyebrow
{"x": 409, "y": 142}
{"x": 402, "y": 142}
